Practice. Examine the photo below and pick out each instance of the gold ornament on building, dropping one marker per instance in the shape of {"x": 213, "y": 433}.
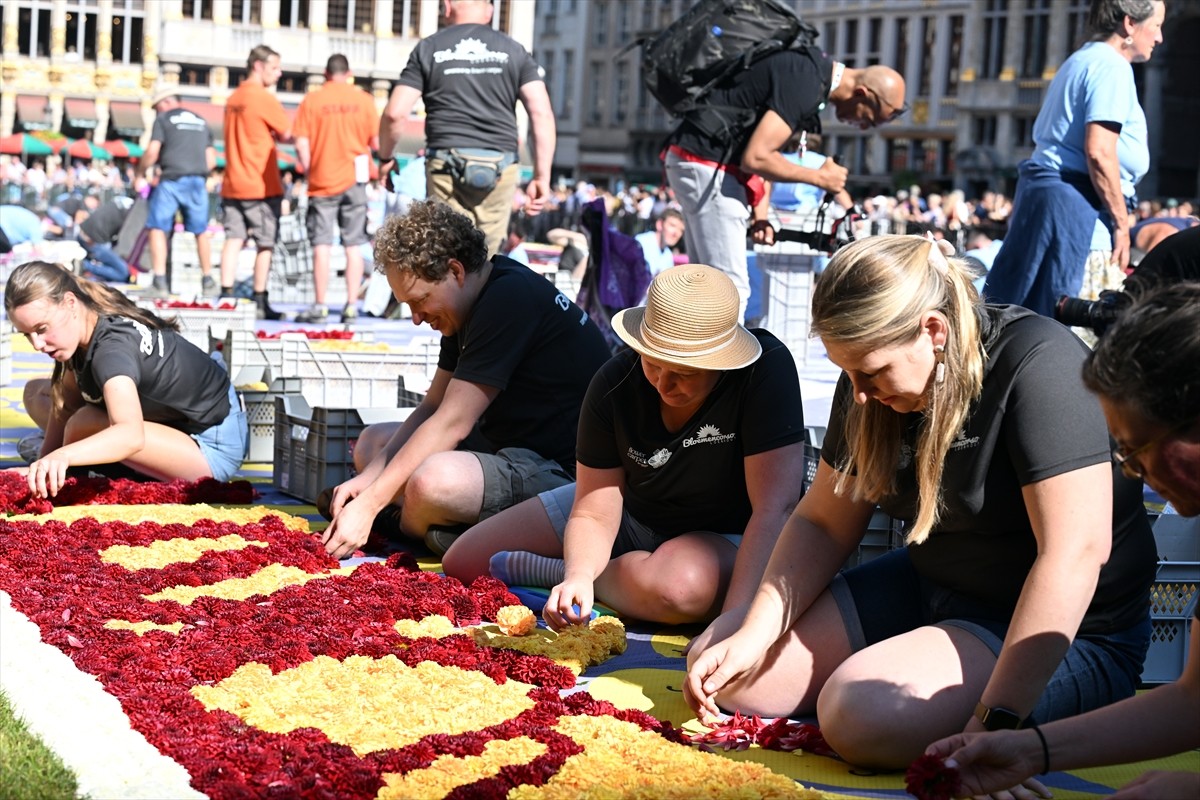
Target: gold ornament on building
{"x": 920, "y": 112}
{"x": 104, "y": 45}
{"x": 102, "y": 78}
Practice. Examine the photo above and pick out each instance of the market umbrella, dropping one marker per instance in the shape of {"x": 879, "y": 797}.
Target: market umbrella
{"x": 22, "y": 144}
{"x": 83, "y": 148}
{"x": 121, "y": 148}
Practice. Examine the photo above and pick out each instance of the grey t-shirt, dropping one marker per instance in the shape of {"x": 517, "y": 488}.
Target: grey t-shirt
{"x": 185, "y": 136}
{"x": 470, "y": 78}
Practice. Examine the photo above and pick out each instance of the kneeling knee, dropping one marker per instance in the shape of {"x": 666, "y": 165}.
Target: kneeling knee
{"x": 861, "y": 724}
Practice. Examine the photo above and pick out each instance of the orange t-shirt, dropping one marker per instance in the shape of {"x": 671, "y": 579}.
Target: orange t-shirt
{"x": 339, "y": 120}
{"x": 253, "y": 116}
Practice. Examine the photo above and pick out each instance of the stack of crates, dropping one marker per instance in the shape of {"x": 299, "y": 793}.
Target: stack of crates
{"x": 243, "y": 349}
{"x": 291, "y": 276}
{"x": 1173, "y": 597}
{"x": 787, "y": 270}
{"x": 201, "y": 325}
{"x": 259, "y": 404}
{"x": 354, "y": 379}
{"x": 314, "y": 447}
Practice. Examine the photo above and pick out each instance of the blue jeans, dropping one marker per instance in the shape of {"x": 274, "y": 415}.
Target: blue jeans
{"x": 104, "y": 263}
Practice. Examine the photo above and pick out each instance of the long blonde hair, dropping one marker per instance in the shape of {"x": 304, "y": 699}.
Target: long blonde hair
{"x": 871, "y": 296}
{"x": 36, "y": 280}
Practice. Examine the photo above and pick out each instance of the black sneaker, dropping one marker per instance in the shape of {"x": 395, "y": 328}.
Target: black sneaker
{"x": 265, "y": 312}
{"x": 314, "y": 314}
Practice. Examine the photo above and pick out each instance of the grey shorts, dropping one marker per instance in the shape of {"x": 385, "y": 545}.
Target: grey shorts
{"x": 515, "y": 474}
{"x": 349, "y": 209}
{"x": 631, "y": 535}
{"x": 887, "y": 597}
{"x": 257, "y": 220}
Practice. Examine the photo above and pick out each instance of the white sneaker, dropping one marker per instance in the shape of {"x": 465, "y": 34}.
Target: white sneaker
{"x": 30, "y": 447}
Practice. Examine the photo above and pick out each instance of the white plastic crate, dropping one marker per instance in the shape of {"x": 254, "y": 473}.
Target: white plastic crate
{"x": 260, "y": 410}
{"x": 354, "y": 379}
{"x": 6, "y": 356}
{"x": 786, "y": 291}
{"x": 242, "y": 349}
{"x": 201, "y": 325}
{"x": 314, "y": 447}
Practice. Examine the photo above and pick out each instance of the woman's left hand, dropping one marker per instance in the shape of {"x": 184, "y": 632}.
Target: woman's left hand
{"x": 48, "y": 474}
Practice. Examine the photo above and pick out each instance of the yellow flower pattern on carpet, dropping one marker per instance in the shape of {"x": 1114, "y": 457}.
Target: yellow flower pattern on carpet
{"x": 270, "y": 578}
{"x": 365, "y": 703}
{"x": 172, "y": 551}
{"x": 448, "y": 773}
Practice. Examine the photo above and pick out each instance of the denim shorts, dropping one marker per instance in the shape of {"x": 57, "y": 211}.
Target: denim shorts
{"x": 631, "y": 535}
{"x": 514, "y": 474}
{"x": 887, "y": 597}
{"x": 187, "y": 193}
{"x": 225, "y": 444}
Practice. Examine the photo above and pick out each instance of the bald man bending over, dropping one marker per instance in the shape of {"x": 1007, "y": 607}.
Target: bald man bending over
{"x": 787, "y": 92}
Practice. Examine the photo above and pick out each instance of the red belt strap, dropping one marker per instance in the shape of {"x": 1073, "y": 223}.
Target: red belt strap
{"x": 755, "y": 185}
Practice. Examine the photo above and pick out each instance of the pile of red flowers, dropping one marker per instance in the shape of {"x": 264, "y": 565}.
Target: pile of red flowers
{"x": 739, "y": 732}
{"x": 928, "y": 778}
{"x": 15, "y": 497}
{"x": 311, "y": 334}
{"x": 73, "y": 595}
{"x": 224, "y": 305}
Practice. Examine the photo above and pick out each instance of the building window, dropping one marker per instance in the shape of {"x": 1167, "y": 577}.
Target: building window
{"x": 1037, "y": 28}
{"x": 81, "y": 32}
{"x": 550, "y": 78}
{"x": 193, "y": 75}
{"x": 406, "y": 18}
{"x": 293, "y": 13}
{"x": 1077, "y": 13}
{"x": 568, "y": 81}
{"x": 33, "y": 30}
{"x": 874, "y": 39}
{"x": 600, "y": 23}
{"x": 247, "y": 12}
{"x": 898, "y": 155}
{"x": 198, "y": 9}
{"x": 647, "y": 23}
{"x": 1023, "y": 132}
{"x": 502, "y": 19}
{"x": 624, "y": 23}
{"x": 352, "y": 16}
{"x": 128, "y": 18}
{"x": 292, "y": 82}
{"x": 928, "y": 38}
{"x": 954, "y": 65}
{"x": 985, "y": 130}
{"x": 995, "y": 20}
{"x": 851, "y": 48}
{"x": 237, "y": 75}
{"x": 901, "y": 63}
{"x": 831, "y": 37}
{"x": 595, "y": 98}
{"x": 621, "y": 93}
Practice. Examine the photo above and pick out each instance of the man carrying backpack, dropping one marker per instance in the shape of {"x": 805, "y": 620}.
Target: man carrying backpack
{"x": 719, "y": 163}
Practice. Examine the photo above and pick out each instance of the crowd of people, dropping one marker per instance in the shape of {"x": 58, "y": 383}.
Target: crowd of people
{"x": 1007, "y": 635}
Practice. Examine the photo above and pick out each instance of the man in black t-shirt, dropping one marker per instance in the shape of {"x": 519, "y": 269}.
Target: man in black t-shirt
{"x": 182, "y": 147}
{"x": 719, "y": 181}
{"x": 97, "y": 234}
{"x": 470, "y": 77}
{"x": 516, "y": 360}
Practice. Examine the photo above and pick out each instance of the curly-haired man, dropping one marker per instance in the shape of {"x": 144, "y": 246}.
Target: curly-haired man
{"x": 516, "y": 359}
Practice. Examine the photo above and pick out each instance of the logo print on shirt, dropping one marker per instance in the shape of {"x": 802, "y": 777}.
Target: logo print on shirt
{"x": 962, "y": 442}
{"x": 659, "y": 458}
{"x": 471, "y": 50}
{"x": 709, "y": 434}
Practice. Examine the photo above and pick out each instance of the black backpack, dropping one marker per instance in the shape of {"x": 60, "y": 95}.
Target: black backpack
{"x": 713, "y": 40}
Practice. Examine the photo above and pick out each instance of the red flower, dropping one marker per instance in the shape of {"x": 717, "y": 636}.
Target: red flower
{"x": 928, "y": 778}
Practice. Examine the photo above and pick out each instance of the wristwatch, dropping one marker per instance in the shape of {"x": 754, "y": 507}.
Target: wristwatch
{"x": 997, "y": 718}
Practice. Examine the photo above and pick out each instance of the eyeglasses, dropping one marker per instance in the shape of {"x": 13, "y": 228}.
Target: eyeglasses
{"x": 883, "y": 105}
{"x": 1127, "y": 462}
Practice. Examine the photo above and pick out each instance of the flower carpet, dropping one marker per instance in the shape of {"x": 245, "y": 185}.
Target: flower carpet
{"x": 203, "y": 650}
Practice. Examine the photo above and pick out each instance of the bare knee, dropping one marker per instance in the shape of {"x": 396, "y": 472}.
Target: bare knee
{"x": 83, "y": 423}
{"x": 370, "y": 442}
{"x": 687, "y": 595}
{"x": 864, "y": 722}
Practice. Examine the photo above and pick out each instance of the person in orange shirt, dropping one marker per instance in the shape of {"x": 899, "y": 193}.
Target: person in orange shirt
{"x": 336, "y": 130}
{"x": 252, "y": 190}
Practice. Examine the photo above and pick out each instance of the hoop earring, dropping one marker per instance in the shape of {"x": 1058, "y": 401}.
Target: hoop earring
{"x": 1129, "y": 41}
{"x": 939, "y": 372}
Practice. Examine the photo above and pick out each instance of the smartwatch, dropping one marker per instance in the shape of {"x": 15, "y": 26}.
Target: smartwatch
{"x": 997, "y": 718}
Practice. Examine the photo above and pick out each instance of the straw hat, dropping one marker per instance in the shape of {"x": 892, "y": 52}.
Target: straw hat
{"x": 162, "y": 93}
{"x": 691, "y": 320}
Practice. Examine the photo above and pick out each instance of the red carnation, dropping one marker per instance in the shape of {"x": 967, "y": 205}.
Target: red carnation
{"x": 928, "y": 778}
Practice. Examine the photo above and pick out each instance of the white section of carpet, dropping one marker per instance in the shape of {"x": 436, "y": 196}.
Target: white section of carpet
{"x": 70, "y": 711}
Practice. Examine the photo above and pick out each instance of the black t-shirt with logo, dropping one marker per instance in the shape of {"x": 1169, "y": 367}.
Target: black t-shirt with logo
{"x": 1034, "y": 420}
{"x": 103, "y": 224}
{"x": 177, "y": 383}
{"x": 185, "y": 137}
{"x": 693, "y": 479}
{"x": 791, "y": 83}
{"x": 470, "y": 78}
{"x": 524, "y": 337}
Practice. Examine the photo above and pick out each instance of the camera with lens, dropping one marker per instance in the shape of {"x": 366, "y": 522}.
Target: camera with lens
{"x": 1094, "y": 314}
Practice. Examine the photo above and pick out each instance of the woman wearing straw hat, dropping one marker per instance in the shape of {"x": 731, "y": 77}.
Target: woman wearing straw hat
{"x": 1022, "y": 594}
{"x": 690, "y": 456}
